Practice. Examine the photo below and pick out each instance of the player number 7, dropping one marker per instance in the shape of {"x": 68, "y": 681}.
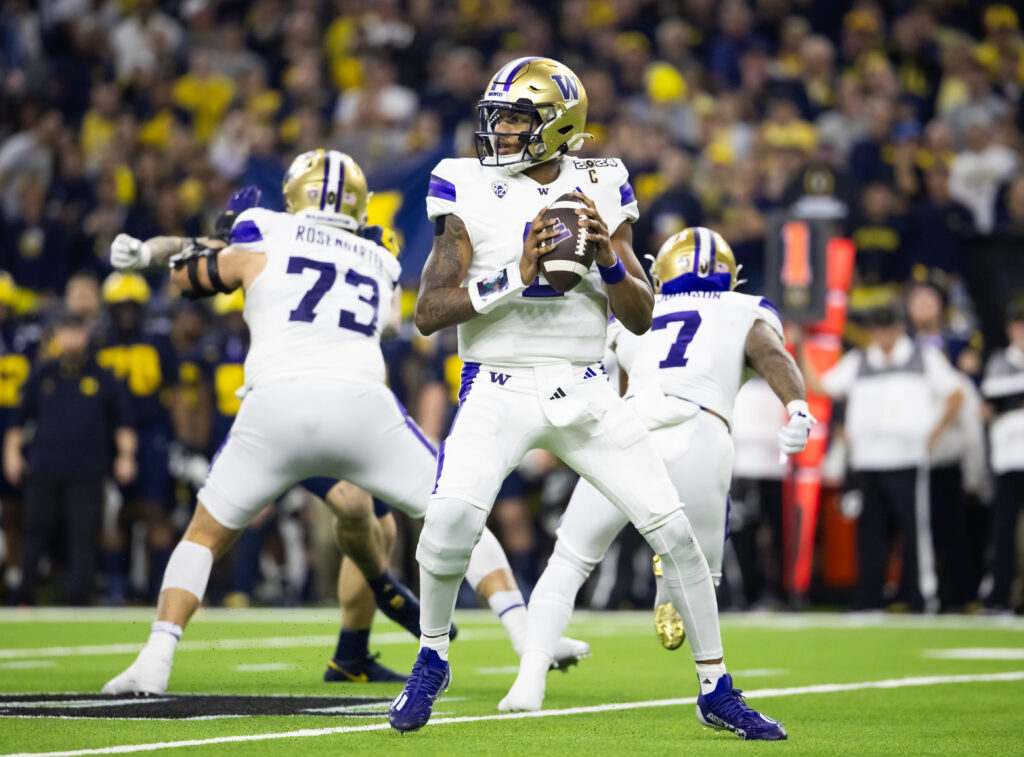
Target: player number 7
{"x": 306, "y": 310}
{"x": 676, "y": 357}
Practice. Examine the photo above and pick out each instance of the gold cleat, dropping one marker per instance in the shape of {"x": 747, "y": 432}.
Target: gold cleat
{"x": 667, "y": 623}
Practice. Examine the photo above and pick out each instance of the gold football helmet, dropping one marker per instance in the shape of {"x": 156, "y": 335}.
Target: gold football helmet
{"x": 554, "y": 99}
{"x": 698, "y": 251}
{"x": 328, "y": 186}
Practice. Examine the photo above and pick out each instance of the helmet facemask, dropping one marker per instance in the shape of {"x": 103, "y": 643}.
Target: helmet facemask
{"x": 532, "y": 148}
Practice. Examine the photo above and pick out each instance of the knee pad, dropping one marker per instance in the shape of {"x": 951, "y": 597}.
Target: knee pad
{"x": 451, "y": 530}
{"x": 188, "y": 569}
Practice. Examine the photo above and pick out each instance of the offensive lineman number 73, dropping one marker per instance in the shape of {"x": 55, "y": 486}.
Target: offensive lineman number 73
{"x": 306, "y": 310}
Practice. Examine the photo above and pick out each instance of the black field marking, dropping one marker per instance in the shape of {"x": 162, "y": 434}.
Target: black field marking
{"x": 183, "y": 707}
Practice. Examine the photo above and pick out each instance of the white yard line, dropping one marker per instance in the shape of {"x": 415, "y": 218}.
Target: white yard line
{"x": 827, "y": 688}
{"x": 976, "y": 653}
{"x": 582, "y": 621}
{"x": 268, "y": 642}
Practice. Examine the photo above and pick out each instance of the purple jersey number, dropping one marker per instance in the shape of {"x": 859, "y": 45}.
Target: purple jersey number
{"x": 676, "y": 357}
{"x": 306, "y": 310}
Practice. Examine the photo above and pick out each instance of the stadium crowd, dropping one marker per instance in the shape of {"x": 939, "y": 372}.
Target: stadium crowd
{"x": 143, "y": 117}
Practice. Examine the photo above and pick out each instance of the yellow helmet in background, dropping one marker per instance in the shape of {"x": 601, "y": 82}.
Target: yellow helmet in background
{"x": 8, "y": 290}
{"x": 547, "y": 90}
{"x": 229, "y": 303}
{"x": 698, "y": 251}
{"x": 123, "y": 286}
{"x": 328, "y": 186}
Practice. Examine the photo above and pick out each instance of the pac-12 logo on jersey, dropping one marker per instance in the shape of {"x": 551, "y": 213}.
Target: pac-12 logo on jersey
{"x": 500, "y": 188}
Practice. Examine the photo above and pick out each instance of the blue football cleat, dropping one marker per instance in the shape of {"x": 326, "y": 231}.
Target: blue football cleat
{"x": 364, "y": 669}
{"x": 724, "y": 709}
{"x": 429, "y": 678}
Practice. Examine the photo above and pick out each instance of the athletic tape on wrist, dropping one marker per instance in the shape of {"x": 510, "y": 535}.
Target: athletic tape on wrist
{"x": 486, "y": 291}
{"x": 797, "y": 406}
{"x": 613, "y": 274}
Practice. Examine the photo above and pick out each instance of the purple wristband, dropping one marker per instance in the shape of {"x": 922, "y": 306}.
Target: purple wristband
{"x": 613, "y": 274}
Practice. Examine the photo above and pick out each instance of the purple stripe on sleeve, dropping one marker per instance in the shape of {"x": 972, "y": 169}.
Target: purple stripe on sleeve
{"x": 245, "y": 232}
{"x": 770, "y": 307}
{"x": 441, "y": 188}
{"x": 626, "y": 194}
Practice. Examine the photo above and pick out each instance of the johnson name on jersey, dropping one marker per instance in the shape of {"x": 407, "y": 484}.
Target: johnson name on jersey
{"x": 318, "y": 308}
{"x": 695, "y": 349}
{"x": 542, "y": 324}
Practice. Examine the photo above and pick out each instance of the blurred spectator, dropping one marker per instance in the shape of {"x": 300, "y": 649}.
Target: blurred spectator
{"x": 203, "y": 92}
{"x": 868, "y": 157}
{"x": 144, "y": 40}
{"x": 736, "y": 35}
{"x": 979, "y": 105}
{"x": 78, "y": 414}
{"x": 978, "y": 171}
{"x": 1010, "y": 212}
{"x": 82, "y": 298}
{"x": 675, "y": 207}
{"x": 938, "y": 227}
{"x": 148, "y": 365}
{"x": 1003, "y": 389}
{"x": 28, "y": 155}
{"x": 916, "y": 57}
{"x": 958, "y": 455}
{"x": 19, "y": 344}
{"x": 843, "y": 126}
{"x": 36, "y": 252}
{"x": 878, "y": 230}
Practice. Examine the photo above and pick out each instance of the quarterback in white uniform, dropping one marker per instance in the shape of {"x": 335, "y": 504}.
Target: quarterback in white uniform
{"x": 683, "y": 376}
{"x": 532, "y": 376}
{"x": 317, "y": 295}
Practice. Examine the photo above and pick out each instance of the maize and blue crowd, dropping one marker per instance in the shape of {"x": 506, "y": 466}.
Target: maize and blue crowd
{"x": 143, "y": 117}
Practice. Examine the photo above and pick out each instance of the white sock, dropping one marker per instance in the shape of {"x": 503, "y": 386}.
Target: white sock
{"x": 437, "y": 606}
{"x": 438, "y": 643}
{"x": 163, "y": 639}
{"x": 553, "y": 600}
{"x": 533, "y": 669}
{"x": 708, "y": 674}
{"x": 510, "y": 607}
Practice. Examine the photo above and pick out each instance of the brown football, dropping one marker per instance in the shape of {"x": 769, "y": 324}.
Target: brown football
{"x": 572, "y": 255}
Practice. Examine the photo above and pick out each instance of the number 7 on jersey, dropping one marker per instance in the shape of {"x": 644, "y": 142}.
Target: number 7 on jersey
{"x": 689, "y": 321}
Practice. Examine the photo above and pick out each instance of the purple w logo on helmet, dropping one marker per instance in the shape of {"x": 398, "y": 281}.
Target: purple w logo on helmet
{"x": 567, "y": 85}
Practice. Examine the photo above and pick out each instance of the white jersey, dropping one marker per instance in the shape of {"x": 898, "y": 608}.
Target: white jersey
{"x": 318, "y": 308}
{"x": 695, "y": 348}
{"x": 541, "y": 325}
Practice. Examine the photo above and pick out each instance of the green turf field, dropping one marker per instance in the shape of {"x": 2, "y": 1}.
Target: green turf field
{"x": 841, "y": 684}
